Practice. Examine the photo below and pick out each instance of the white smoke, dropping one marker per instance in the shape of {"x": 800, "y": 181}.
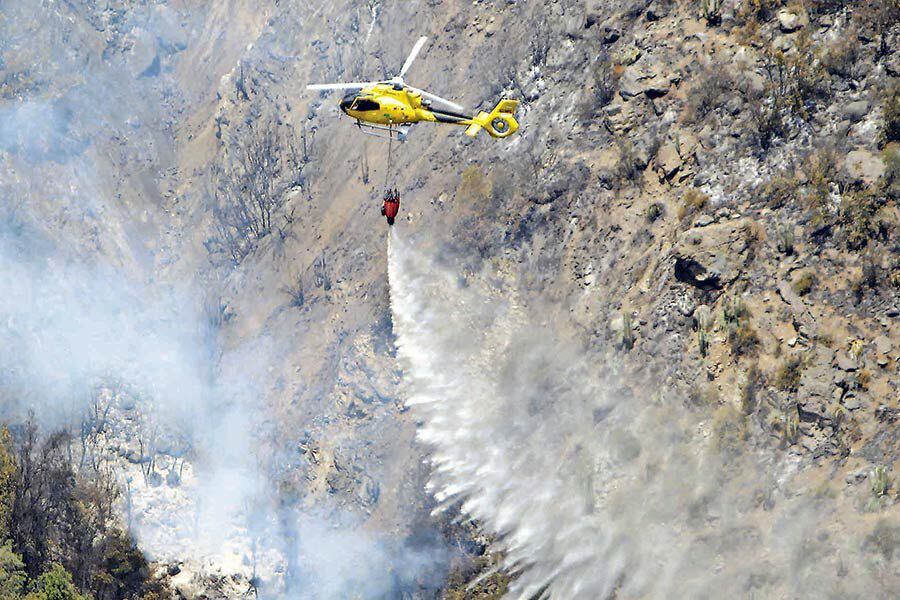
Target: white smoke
{"x": 593, "y": 492}
{"x": 94, "y": 304}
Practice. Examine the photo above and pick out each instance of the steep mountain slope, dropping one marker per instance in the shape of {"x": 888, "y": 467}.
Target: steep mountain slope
{"x": 698, "y": 216}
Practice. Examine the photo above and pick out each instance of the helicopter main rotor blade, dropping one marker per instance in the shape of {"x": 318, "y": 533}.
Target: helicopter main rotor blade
{"x": 339, "y": 86}
{"x": 412, "y": 56}
{"x": 443, "y": 101}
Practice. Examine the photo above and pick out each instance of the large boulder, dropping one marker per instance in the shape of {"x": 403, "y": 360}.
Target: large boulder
{"x": 713, "y": 256}
{"x": 790, "y": 20}
{"x": 864, "y": 166}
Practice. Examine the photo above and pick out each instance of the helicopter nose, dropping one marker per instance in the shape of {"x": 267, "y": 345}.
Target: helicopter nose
{"x": 347, "y": 101}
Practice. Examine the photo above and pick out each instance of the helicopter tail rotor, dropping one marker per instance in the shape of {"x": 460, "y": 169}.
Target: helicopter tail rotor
{"x": 499, "y": 123}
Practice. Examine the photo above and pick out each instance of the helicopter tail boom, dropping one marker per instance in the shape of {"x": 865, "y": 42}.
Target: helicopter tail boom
{"x": 499, "y": 123}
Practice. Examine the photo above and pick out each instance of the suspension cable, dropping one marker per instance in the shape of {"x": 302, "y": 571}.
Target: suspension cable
{"x": 387, "y": 173}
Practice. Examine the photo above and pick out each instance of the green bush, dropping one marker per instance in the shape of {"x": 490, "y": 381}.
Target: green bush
{"x": 12, "y": 573}
{"x": 62, "y": 526}
{"x": 55, "y": 584}
{"x": 654, "y": 211}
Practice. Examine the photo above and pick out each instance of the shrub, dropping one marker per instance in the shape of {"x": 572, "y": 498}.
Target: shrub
{"x": 841, "y": 57}
{"x": 793, "y": 83}
{"x": 729, "y": 430}
{"x": 891, "y": 158}
{"x": 822, "y": 7}
{"x": 890, "y": 128}
{"x": 750, "y": 382}
{"x": 875, "y": 18}
{"x": 861, "y": 220}
{"x": 477, "y": 578}
{"x": 805, "y": 283}
{"x": 863, "y": 379}
{"x": 692, "y": 202}
{"x": 884, "y": 539}
{"x": 787, "y": 377}
{"x": 821, "y": 170}
{"x": 709, "y": 93}
{"x": 757, "y": 11}
{"x": 606, "y": 82}
{"x": 742, "y": 338}
{"x": 12, "y": 573}
{"x": 778, "y": 191}
{"x": 56, "y": 584}
{"x": 629, "y": 167}
{"x": 654, "y": 211}
{"x": 474, "y": 186}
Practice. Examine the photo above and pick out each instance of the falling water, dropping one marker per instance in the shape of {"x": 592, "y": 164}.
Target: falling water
{"x": 590, "y": 491}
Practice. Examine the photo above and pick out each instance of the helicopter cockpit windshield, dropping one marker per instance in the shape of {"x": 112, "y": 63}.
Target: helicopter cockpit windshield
{"x": 364, "y": 104}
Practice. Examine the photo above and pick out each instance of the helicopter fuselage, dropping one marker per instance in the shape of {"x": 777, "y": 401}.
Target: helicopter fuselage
{"x": 395, "y": 104}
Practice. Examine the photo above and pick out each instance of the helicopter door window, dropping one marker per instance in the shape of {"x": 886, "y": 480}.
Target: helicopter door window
{"x": 364, "y": 104}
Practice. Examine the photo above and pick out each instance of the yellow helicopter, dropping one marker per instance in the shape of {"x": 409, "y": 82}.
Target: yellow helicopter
{"x": 389, "y": 108}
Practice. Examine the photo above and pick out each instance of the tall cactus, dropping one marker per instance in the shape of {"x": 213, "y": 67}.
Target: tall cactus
{"x": 711, "y": 10}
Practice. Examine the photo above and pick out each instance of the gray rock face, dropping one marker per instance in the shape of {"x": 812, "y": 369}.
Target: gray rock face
{"x": 668, "y": 160}
{"x": 883, "y": 344}
{"x": 864, "y": 166}
{"x": 856, "y": 111}
{"x": 844, "y": 361}
{"x": 713, "y": 256}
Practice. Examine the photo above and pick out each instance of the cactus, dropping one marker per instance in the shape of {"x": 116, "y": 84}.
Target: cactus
{"x": 733, "y": 310}
{"x": 704, "y": 318}
{"x": 837, "y": 417}
{"x": 627, "y": 340}
{"x": 703, "y": 341}
{"x": 711, "y": 10}
{"x": 790, "y": 430}
{"x": 785, "y": 236}
{"x": 879, "y": 481}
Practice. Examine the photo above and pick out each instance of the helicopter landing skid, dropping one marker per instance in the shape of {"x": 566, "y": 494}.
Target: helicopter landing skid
{"x": 387, "y": 132}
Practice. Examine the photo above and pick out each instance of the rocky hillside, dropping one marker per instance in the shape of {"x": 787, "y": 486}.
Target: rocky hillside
{"x": 702, "y": 198}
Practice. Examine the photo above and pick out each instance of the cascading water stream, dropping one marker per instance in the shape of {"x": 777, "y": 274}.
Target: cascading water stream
{"x": 591, "y": 492}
